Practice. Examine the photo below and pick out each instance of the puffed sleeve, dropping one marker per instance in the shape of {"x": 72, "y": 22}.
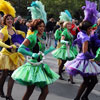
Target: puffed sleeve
{"x": 31, "y": 38}
{"x": 85, "y": 37}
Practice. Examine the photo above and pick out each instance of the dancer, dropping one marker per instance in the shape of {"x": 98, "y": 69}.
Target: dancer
{"x": 57, "y": 36}
{"x": 9, "y": 58}
{"x": 35, "y": 75}
{"x": 65, "y": 52}
{"x": 81, "y": 64}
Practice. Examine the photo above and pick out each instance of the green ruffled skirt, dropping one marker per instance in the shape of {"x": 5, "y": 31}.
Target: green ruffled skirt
{"x": 63, "y": 53}
{"x": 40, "y": 75}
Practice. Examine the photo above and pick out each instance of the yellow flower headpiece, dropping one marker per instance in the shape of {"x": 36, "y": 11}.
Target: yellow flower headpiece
{"x": 7, "y": 8}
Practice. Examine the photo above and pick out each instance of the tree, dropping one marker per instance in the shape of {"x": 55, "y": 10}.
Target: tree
{"x": 52, "y": 7}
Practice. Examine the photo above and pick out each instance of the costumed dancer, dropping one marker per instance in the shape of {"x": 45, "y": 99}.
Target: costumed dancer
{"x": 65, "y": 52}
{"x": 30, "y": 74}
{"x": 81, "y": 64}
{"x": 35, "y": 72}
{"x": 57, "y": 36}
{"x": 9, "y": 40}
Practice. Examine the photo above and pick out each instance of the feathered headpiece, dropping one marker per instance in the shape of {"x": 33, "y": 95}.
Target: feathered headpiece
{"x": 37, "y": 11}
{"x": 90, "y": 11}
{"x": 65, "y": 16}
{"x": 7, "y": 8}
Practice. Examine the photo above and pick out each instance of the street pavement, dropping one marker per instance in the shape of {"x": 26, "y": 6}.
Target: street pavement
{"x": 60, "y": 90}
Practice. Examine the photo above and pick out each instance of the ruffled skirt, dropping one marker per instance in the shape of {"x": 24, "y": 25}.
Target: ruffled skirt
{"x": 28, "y": 74}
{"x": 82, "y": 66}
{"x": 10, "y": 61}
{"x": 63, "y": 53}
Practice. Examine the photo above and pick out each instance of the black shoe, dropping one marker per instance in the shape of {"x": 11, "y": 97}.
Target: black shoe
{"x": 76, "y": 99}
{"x": 63, "y": 70}
{"x": 9, "y": 98}
{"x": 84, "y": 98}
{"x": 61, "y": 78}
{"x": 2, "y": 95}
{"x": 71, "y": 81}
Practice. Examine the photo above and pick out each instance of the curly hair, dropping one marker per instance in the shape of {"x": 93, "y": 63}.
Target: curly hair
{"x": 5, "y": 17}
{"x": 35, "y": 23}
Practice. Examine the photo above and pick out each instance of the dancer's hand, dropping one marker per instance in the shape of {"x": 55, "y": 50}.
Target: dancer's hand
{"x": 17, "y": 44}
{"x": 13, "y": 46}
{"x": 92, "y": 60}
{"x": 10, "y": 47}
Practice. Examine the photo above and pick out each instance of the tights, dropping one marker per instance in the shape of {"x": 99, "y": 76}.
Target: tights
{"x": 86, "y": 87}
{"x": 30, "y": 89}
{"x": 2, "y": 81}
{"x": 61, "y": 67}
{"x": 61, "y": 70}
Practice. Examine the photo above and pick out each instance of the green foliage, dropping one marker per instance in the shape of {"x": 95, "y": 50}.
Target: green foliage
{"x": 52, "y": 7}
{"x": 56, "y": 6}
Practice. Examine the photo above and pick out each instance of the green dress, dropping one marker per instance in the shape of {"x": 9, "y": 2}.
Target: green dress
{"x": 29, "y": 74}
{"x": 66, "y": 52}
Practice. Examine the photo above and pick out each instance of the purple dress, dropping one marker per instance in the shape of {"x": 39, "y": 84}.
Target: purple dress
{"x": 81, "y": 64}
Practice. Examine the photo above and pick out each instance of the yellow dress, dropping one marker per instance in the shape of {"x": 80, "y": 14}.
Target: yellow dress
{"x": 9, "y": 60}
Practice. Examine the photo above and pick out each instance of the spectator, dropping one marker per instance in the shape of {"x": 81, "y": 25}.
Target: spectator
{"x": 49, "y": 31}
{"x": 17, "y": 23}
{"x": 74, "y": 29}
{"x": 23, "y": 26}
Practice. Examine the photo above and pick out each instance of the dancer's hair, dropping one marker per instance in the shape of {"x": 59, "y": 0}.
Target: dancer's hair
{"x": 34, "y": 24}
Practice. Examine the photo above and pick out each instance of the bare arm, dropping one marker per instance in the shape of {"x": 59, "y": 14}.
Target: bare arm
{"x": 26, "y": 42}
{"x": 85, "y": 47}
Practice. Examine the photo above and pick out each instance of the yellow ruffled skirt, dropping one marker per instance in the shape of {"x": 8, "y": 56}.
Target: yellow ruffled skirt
{"x": 9, "y": 60}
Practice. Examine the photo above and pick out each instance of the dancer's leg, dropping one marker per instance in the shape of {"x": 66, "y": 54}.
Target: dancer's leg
{"x": 61, "y": 68}
{"x": 10, "y": 87}
{"x": 82, "y": 88}
{"x": 3, "y": 77}
{"x": 93, "y": 81}
{"x": 44, "y": 93}
{"x": 28, "y": 92}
